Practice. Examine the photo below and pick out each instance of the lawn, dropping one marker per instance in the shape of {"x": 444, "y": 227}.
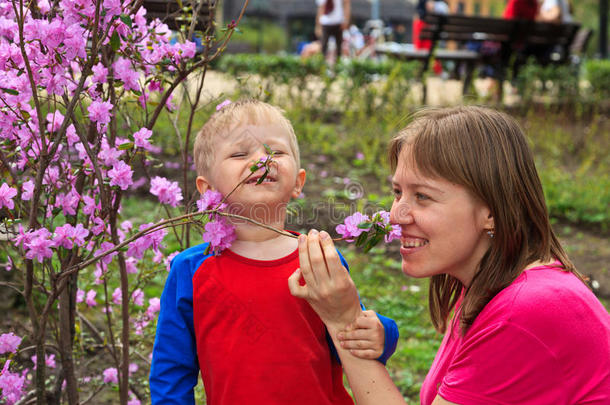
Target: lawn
{"x": 344, "y": 153}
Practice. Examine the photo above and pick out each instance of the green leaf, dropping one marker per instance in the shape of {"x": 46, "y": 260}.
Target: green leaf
{"x": 268, "y": 149}
{"x": 10, "y": 91}
{"x": 262, "y": 178}
{"x": 361, "y": 239}
{"x": 365, "y": 225}
{"x": 115, "y": 41}
{"x": 126, "y": 20}
{"x": 254, "y": 168}
{"x": 126, "y": 146}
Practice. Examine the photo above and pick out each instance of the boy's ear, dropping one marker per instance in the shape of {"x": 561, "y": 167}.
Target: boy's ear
{"x": 203, "y": 184}
{"x": 299, "y": 184}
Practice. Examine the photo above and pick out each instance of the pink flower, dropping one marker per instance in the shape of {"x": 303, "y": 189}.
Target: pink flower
{"x": 219, "y": 233}
{"x": 394, "y": 234}
{"x": 61, "y": 236}
{"x": 68, "y": 202}
{"x": 111, "y": 375}
{"x": 133, "y": 367}
{"x": 90, "y": 300}
{"x": 124, "y": 72}
{"x": 6, "y": 196}
{"x": 99, "y": 73}
{"x": 152, "y": 240}
{"x": 27, "y": 190}
{"x": 210, "y": 200}
{"x": 223, "y": 104}
{"x": 49, "y": 361}
{"x": 117, "y": 296}
{"x": 154, "y": 306}
{"x": 167, "y": 192}
{"x": 350, "y": 229}
{"x": 120, "y": 175}
{"x": 168, "y": 260}
{"x": 39, "y": 246}
{"x": 80, "y": 296}
{"x": 359, "y": 156}
{"x": 12, "y": 385}
{"x": 99, "y": 111}
{"x": 9, "y": 342}
{"x": 141, "y": 138}
{"x": 54, "y": 120}
{"x": 138, "y": 297}
{"x": 134, "y": 401}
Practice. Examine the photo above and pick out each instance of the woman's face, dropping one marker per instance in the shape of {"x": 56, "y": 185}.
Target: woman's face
{"x": 443, "y": 227}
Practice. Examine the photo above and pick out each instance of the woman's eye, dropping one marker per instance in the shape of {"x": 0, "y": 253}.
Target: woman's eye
{"x": 421, "y": 196}
{"x": 396, "y": 193}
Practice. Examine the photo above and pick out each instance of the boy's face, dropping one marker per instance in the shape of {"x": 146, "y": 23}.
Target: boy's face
{"x": 234, "y": 154}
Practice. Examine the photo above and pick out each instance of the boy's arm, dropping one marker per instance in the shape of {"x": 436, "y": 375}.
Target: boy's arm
{"x": 174, "y": 370}
{"x": 389, "y": 326}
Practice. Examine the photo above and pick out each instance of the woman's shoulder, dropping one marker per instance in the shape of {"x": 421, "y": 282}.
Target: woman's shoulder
{"x": 546, "y": 299}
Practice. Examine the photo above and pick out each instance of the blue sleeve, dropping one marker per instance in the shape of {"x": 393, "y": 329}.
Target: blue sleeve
{"x": 175, "y": 368}
{"x": 389, "y": 326}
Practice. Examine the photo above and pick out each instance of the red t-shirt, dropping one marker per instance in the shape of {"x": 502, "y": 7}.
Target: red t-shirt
{"x": 521, "y": 9}
{"x": 256, "y": 343}
{"x": 544, "y": 339}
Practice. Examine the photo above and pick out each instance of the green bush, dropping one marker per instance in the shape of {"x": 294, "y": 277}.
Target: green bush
{"x": 559, "y": 81}
{"x": 312, "y": 84}
{"x": 597, "y": 72}
{"x": 261, "y": 35}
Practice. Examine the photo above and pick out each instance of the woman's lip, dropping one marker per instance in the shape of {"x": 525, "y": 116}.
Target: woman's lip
{"x": 405, "y": 251}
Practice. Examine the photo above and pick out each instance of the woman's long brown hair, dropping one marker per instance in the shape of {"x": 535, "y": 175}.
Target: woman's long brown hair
{"x": 486, "y": 152}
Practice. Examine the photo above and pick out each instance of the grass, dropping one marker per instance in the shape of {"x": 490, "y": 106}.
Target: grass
{"x": 344, "y": 155}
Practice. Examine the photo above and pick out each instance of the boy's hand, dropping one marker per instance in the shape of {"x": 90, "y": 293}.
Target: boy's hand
{"x": 365, "y": 338}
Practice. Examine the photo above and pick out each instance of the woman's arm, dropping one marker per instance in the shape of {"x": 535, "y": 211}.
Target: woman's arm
{"x": 332, "y": 294}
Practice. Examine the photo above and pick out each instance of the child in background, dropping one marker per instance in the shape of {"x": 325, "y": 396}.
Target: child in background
{"x": 232, "y": 315}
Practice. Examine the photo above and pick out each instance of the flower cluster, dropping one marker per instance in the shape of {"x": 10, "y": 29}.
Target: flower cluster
{"x": 219, "y": 232}
{"x": 368, "y": 231}
{"x": 12, "y": 385}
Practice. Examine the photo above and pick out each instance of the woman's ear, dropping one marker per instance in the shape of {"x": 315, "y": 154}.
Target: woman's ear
{"x": 203, "y": 184}
{"x": 299, "y": 183}
{"x": 489, "y": 222}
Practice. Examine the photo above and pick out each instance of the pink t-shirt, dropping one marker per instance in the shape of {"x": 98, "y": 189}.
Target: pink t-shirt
{"x": 545, "y": 339}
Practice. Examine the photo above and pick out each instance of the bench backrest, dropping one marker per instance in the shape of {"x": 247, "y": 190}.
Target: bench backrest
{"x": 464, "y": 28}
{"x": 171, "y": 13}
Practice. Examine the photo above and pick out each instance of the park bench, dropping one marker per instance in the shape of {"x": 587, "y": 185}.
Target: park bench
{"x": 171, "y": 13}
{"x": 512, "y": 38}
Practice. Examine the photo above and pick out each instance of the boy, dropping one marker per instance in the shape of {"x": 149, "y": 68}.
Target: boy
{"x": 231, "y": 315}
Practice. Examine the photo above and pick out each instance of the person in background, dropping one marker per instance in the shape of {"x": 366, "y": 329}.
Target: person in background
{"x": 332, "y": 18}
{"x": 556, "y": 11}
{"x": 521, "y": 10}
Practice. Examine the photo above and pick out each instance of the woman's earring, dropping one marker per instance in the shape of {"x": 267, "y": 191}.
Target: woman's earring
{"x": 491, "y": 233}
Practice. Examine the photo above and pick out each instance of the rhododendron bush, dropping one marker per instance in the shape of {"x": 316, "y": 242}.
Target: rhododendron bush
{"x": 83, "y": 84}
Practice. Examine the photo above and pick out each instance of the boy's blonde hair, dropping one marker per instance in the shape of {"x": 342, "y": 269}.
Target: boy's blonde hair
{"x": 231, "y": 116}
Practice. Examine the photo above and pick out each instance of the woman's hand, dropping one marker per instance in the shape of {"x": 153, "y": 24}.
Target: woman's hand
{"x": 328, "y": 287}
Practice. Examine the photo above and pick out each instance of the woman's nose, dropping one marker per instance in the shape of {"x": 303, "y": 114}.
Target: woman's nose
{"x": 401, "y": 213}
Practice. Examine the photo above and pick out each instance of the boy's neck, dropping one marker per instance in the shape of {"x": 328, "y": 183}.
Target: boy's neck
{"x": 255, "y": 242}
{"x": 263, "y": 245}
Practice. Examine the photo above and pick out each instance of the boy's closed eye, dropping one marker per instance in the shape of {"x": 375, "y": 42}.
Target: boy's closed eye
{"x": 238, "y": 154}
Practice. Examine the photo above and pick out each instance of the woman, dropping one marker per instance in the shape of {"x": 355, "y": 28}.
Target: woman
{"x": 470, "y": 205}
